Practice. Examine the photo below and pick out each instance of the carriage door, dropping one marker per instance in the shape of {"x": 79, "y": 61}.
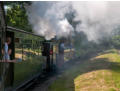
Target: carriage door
{"x": 2, "y": 41}
{"x": 2, "y": 29}
{"x": 6, "y": 69}
{"x": 10, "y": 71}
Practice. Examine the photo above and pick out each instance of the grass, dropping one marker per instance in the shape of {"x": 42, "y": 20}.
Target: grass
{"x": 100, "y": 73}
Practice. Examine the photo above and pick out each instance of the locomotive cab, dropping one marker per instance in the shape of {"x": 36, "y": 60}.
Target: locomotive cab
{"x": 47, "y": 51}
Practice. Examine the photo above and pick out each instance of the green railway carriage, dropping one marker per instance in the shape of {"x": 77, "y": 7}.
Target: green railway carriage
{"x": 26, "y": 59}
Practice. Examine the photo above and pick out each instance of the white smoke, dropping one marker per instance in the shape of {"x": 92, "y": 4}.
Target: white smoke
{"x": 48, "y": 19}
{"x": 98, "y": 19}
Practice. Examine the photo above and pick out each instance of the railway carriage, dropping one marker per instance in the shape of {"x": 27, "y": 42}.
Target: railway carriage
{"x": 31, "y": 55}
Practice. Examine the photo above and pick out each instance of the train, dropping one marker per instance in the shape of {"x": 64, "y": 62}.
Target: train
{"x": 33, "y": 51}
{"x": 31, "y": 55}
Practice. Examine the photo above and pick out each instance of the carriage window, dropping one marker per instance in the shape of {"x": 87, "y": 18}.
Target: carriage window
{"x": 7, "y": 47}
{"x": 28, "y": 57}
{"x": 27, "y": 47}
{"x": 18, "y": 50}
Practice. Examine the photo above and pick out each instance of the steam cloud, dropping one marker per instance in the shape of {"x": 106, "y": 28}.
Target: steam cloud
{"x": 98, "y": 19}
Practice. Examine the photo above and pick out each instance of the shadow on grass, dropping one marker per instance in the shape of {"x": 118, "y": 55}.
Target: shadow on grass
{"x": 77, "y": 67}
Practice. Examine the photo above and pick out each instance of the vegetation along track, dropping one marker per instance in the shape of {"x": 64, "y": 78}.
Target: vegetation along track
{"x": 99, "y": 73}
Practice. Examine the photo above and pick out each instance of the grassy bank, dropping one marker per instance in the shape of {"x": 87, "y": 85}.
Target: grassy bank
{"x": 100, "y": 73}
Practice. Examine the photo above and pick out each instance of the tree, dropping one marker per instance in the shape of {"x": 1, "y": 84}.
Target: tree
{"x": 16, "y": 15}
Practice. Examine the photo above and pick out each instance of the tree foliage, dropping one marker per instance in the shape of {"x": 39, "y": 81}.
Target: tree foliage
{"x": 16, "y": 15}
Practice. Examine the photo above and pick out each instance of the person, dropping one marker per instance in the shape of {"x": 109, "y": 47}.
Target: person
{"x": 7, "y": 51}
{"x": 62, "y": 47}
{"x": 60, "y": 61}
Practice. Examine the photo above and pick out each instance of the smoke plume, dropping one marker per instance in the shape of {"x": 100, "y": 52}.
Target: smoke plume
{"x": 98, "y": 19}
